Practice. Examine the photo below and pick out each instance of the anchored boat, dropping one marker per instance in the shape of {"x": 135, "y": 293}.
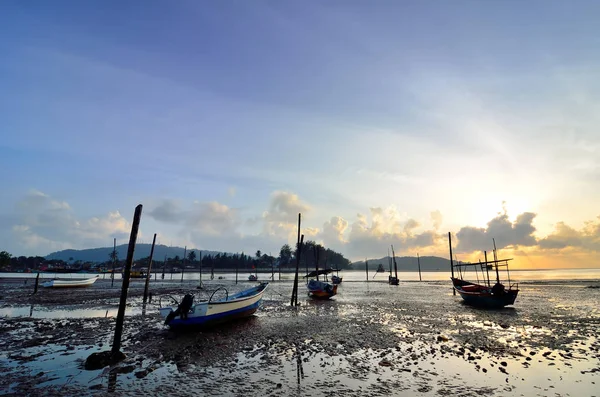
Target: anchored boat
{"x": 242, "y": 304}
{"x": 483, "y": 293}
{"x": 69, "y": 283}
{"x": 320, "y": 289}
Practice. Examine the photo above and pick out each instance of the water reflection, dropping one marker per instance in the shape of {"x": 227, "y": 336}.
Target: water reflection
{"x": 41, "y": 312}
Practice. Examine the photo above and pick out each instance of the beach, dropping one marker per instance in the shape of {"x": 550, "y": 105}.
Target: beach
{"x": 370, "y": 339}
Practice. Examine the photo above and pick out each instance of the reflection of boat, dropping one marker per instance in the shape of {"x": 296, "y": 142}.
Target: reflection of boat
{"x": 69, "y": 283}
{"x": 320, "y": 289}
{"x": 187, "y": 313}
{"x": 252, "y": 277}
{"x": 484, "y": 295}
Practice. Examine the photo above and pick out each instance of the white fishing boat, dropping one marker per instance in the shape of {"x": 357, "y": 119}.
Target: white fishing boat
{"x": 69, "y": 283}
{"x": 242, "y": 304}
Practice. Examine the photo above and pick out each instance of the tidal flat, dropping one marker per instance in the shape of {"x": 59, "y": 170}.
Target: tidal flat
{"x": 370, "y": 339}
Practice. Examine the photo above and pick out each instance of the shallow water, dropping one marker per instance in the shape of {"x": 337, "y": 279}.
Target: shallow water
{"x": 371, "y": 339}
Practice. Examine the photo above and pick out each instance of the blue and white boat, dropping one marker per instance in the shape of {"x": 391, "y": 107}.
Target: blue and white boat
{"x": 242, "y": 304}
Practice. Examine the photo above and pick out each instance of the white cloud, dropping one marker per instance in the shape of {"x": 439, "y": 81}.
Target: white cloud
{"x": 45, "y": 224}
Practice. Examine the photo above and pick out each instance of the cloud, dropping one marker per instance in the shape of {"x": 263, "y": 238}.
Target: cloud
{"x": 44, "y": 224}
{"x": 436, "y": 218}
{"x": 500, "y": 228}
{"x": 565, "y": 236}
{"x": 372, "y": 235}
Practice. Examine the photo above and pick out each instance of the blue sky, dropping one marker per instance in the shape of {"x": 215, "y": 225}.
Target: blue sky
{"x": 224, "y": 118}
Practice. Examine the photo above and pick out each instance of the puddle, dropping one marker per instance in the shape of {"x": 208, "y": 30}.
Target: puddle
{"x": 34, "y": 311}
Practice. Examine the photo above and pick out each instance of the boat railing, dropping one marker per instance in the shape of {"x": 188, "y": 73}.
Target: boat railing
{"x": 218, "y": 289}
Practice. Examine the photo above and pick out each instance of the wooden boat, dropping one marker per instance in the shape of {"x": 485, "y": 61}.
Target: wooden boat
{"x": 380, "y": 268}
{"x": 252, "y": 277}
{"x": 482, "y": 293}
{"x": 336, "y": 280}
{"x": 69, "y": 283}
{"x": 320, "y": 289}
{"x": 242, "y": 304}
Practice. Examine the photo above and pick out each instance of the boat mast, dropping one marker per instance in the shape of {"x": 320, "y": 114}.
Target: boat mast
{"x": 316, "y": 251}
{"x": 395, "y": 264}
{"x": 419, "y": 263}
{"x": 390, "y": 262}
{"x": 496, "y": 266}
{"x": 451, "y": 263}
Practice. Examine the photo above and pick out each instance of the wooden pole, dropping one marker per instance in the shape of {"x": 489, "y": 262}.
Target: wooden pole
{"x": 298, "y": 265}
{"x": 367, "y": 268}
{"x": 451, "y": 262}
{"x": 37, "y": 281}
{"x": 183, "y": 262}
{"x": 116, "y": 347}
{"x": 237, "y": 267}
{"x": 149, "y": 269}
{"x": 164, "y": 266}
{"x": 200, "y": 255}
{"x": 395, "y": 264}
{"x": 112, "y": 276}
{"x": 419, "y": 263}
{"x": 295, "y": 287}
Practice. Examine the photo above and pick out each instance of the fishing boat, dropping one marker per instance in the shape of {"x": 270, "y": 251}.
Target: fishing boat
{"x": 380, "y": 268}
{"x": 252, "y": 277}
{"x": 69, "y": 283}
{"x": 320, "y": 289}
{"x": 242, "y": 304}
{"x": 482, "y": 293}
{"x": 335, "y": 278}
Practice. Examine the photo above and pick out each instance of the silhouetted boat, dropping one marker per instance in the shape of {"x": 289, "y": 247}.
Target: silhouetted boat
{"x": 242, "y": 304}
{"x": 252, "y": 277}
{"x": 482, "y": 293}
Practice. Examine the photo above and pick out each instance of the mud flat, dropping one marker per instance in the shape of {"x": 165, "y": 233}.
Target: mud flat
{"x": 371, "y": 339}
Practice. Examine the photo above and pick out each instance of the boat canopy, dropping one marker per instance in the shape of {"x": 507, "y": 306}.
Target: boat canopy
{"x": 315, "y": 273}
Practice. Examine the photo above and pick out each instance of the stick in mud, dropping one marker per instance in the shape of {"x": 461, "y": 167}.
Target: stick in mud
{"x": 37, "y": 280}
{"x": 183, "y": 263}
{"x": 116, "y": 347}
{"x": 149, "y": 269}
{"x": 114, "y": 258}
{"x": 451, "y": 263}
{"x": 295, "y": 288}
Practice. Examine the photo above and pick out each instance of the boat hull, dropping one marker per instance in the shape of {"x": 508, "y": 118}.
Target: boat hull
{"x": 336, "y": 280}
{"x": 482, "y": 296}
{"x": 321, "y": 290}
{"x": 210, "y": 313}
{"x": 69, "y": 283}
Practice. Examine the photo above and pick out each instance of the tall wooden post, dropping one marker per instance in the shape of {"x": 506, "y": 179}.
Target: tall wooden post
{"x": 295, "y": 287}
{"x": 37, "y": 280}
{"x": 164, "y": 266}
{"x": 183, "y": 262}
{"x": 237, "y": 267}
{"x": 116, "y": 347}
{"x": 451, "y": 262}
{"x": 112, "y": 276}
{"x": 419, "y": 263}
{"x": 367, "y": 268}
{"x": 200, "y": 285}
{"x": 149, "y": 270}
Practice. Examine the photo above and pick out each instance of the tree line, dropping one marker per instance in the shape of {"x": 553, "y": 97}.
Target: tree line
{"x": 311, "y": 255}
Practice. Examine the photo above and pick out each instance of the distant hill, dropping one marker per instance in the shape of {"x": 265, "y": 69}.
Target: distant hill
{"x": 141, "y": 251}
{"x": 407, "y": 263}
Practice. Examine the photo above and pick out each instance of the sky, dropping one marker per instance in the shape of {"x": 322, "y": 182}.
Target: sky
{"x": 381, "y": 122}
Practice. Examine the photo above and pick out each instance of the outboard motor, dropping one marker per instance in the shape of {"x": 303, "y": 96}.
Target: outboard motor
{"x": 182, "y": 310}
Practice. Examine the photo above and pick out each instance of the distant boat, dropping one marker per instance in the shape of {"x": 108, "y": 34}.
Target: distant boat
{"x": 336, "y": 280}
{"x": 69, "y": 283}
{"x": 320, "y": 289}
{"x": 252, "y": 277}
{"x": 242, "y": 304}
{"x": 137, "y": 274}
{"x": 380, "y": 268}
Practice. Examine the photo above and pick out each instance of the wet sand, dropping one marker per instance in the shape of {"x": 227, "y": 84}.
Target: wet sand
{"x": 371, "y": 339}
